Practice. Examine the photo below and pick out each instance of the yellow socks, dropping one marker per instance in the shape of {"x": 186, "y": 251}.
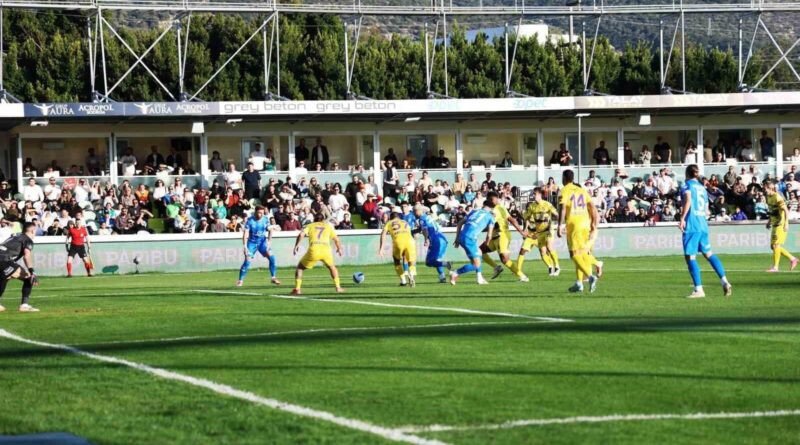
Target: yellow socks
{"x": 520, "y": 261}
{"x": 513, "y": 268}
{"x": 297, "y": 283}
{"x": 776, "y": 255}
{"x": 547, "y": 261}
{"x": 398, "y": 269}
{"x": 583, "y": 265}
{"x": 336, "y": 282}
{"x": 412, "y": 269}
{"x": 489, "y": 261}
{"x": 554, "y": 259}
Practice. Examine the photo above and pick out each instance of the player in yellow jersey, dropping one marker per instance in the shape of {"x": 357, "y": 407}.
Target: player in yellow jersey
{"x": 403, "y": 248}
{"x": 579, "y": 217}
{"x": 539, "y": 216}
{"x": 501, "y": 240}
{"x": 779, "y": 222}
{"x": 320, "y": 234}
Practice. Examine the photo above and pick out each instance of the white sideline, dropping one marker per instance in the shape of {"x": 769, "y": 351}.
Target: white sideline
{"x": 359, "y": 425}
{"x": 599, "y": 419}
{"x": 430, "y": 308}
{"x": 310, "y": 331}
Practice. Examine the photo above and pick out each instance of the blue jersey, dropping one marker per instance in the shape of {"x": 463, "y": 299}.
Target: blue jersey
{"x": 429, "y": 225}
{"x": 410, "y": 219}
{"x": 258, "y": 229}
{"x": 696, "y": 219}
{"x": 476, "y": 222}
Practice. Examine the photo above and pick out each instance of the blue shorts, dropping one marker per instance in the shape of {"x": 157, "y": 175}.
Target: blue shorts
{"x": 436, "y": 248}
{"x": 470, "y": 246}
{"x": 695, "y": 242}
{"x": 258, "y": 246}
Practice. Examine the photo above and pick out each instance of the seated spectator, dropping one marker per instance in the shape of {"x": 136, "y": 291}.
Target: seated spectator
{"x": 346, "y": 223}
{"x": 739, "y": 215}
{"x": 235, "y": 224}
{"x": 507, "y": 162}
{"x": 441, "y": 161}
{"x": 723, "y": 216}
{"x": 183, "y": 222}
{"x": 746, "y": 153}
{"x": 124, "y": 222}
{"x": 32, "y": 192}
{"x": 795, "y": 157}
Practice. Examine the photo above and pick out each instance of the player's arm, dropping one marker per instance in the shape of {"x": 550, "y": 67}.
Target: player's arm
{"x": 458, "y": 231}
{"x": 339, "y": 250}
{"x": 490, "y": 232}
{"x": 67, "y": 239}
{"x": 383, "y": 240}
{"x": 687, "y": 206}
{"x": 784, "y": 212}
{"x": 27, "y": 258}
{"x": 562, "y": 216}
{"x": 594, "y": 217}
{"x": 297, "y": 242}
{"x": 245, "y": 235}
{"x": 269, "y": 235}
{"x": 516, "y": 225}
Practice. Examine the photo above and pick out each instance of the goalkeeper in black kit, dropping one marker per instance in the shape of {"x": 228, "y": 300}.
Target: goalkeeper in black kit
{"x": 11, "y": 250}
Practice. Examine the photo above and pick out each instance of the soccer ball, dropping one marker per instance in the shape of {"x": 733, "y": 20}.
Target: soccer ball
{"x": 358, "y": 277}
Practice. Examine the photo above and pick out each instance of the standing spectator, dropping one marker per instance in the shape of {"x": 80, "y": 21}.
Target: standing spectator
{"x": 564, "y": 156}
{"x": 795, "y": 157}
{"x": 216, "y": 164}
{"x": 301, "y": 153}
{"x": 252, "y": 181}
{"x": 746, "y": 153}
{"x": 233, "y": 179}
{"x": 32, "y": 192}
{"x": 690, "y": 153}
{"x": 390, "y": 156}
{"x": 507, "y": 162}
{"x": 270, "y": 163}
{"x": 257, "y": 157}
{"x": 390, "y": 178}
{"x": 153, "y": 160}
{"x": 441, "y": 161}
{"x": 645, "y": 156}
{"x": 767, "y": 146}
{"x": 319, "y": 155}
{"x": 410, "y": 160}
{"x": 662, "y": 151}
{"x": 174, "y": 159}
{"x": 600, "y": 155}
{"x": 128, "y": 162}
{"x": 93, "y": 162}
{"x": 627, "y": 154}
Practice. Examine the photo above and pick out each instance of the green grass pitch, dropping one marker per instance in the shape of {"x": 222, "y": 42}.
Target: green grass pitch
{"x": 635, "y": 347}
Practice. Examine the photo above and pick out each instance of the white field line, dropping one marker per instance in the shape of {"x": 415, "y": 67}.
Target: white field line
{"x": 428, "y": 308}
{"x": 600, "y": 419}
{"x": 359, "y": 425}
{"x": 311, "y": 331}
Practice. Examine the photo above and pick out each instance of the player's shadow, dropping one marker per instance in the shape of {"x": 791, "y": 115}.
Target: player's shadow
{"x": 503, "y": 326}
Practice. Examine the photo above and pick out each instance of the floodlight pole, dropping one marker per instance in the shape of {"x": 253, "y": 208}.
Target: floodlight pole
{"x": 101, "y": 34}
{"x": 661, "y": 51}
{"x": 444, "y": 32}
{"x": 583, "y": 55}
{"x": 683, "y": 50}
{"x": 741, "y": 79}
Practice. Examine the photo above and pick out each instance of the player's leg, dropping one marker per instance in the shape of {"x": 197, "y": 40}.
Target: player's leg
{"x": 545, "y": 255}
{"x": 264, "y": 250}
{"x": 248, "y": 257}
{"x": 436, "y": 251}
{"x": 10, "y": 271}
{"x": 691, "y": 247}
{"x": 411, "y": 257}
{"x": 486, "y": 249}
{"x": 716, "y": 263}
{"x": 69, "y": 265}
{"x": 400, "y": 266}
{"x": 87, "y": 262}
{"x": 327, "y": 260}
{"x": 523, "y": 250}
{"x": 474, "y": 265}
{"x": 298, "y": 279}
{"x": 27, "y": 288}
{"x": 778, "y": 239}
{"x": 504, "y": 250}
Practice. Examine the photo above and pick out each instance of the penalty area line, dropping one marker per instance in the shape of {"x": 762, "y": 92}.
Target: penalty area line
{"x": 427, "y": 308}
{"x": 312, "y": 331}
{"x": 600, "y": 419}
{"x": 229, "y": 391}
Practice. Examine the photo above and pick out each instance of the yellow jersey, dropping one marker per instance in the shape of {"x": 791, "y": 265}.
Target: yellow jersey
{"x": 319, "y": 234}
{"x": 575, "y": 201}
{"x": 777, "y": 209}
{"x": 501, "y": 216}
{"x": 399, "y": 230}
{"x": 539, "y": 215}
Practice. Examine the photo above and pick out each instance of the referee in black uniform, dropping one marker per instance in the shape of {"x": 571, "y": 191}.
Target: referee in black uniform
{"x": 11, "y": 250}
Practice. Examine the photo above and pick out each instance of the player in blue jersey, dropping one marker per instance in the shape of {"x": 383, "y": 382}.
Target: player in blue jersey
{"x": 256, "y": 239}
{"x": 694, "y": 225}
{"x": 467, "y": 233}
{"x": 434, "y": 239}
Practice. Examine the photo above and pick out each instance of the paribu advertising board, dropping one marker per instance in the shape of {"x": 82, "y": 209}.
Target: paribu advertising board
{"x": 196, "y": 253}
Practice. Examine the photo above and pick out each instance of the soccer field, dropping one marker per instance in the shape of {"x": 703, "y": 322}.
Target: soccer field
{"x": 188, "y": 358}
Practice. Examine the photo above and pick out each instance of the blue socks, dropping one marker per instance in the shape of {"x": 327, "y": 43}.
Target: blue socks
{"x": 469, "y": 267}
{"x": 694, "y": 271}
{"x": 243, "y": 270}
{"x": 273, "y": 265}
{"x": 717, "y": 265}
{"x": 405, "y": 266}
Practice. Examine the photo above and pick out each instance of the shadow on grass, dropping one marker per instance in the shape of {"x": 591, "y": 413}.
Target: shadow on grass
{"x": 612, "y": 325}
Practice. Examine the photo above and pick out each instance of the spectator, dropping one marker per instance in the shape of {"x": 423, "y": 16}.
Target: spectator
{"x": 690, "y": 154}
{"x": 746, "y": 153}
{"x": 723, "y": 216}
{"x": 215, "y": 163}
{"x": 389, "y": 179}
{"x": 507, "y": 162}
{"x": 739, "y": 215}
{"x": 128, "y": 162}
{"x": 233, "y": 179}
{"x": 564, "y": 156}
{"x": 663, "y": 151}
{"x": 795, "y": 157}
{"x": 600, "y": 155}
{"x": 410, "y": 159}
{"x": 183, "y": 222}
{"x": 124, "y": 222}
{"x": 390, "y": 156}
{"x": 257, "y": 157}
{"x": 270, "y": 163}
{"x": 645, "y": 156}
{"x": 319, "y": 154}
{"x": 627, "y": 154}
{"x": 52, "y": 191}
{"x": 489, "y": 182}
{"x": 153, "y": 160}
{"x": 346, "y": 223}
{"x": 252, "y": 181}
{"x": 32, "y": 192}
{"x": 93, "y": 163}
{"x": 291, "y": 223}
{"x": 767, "y": 146}
{"x": 174, "y": 159}
{"x": 301, "y": 153}
{"x": 441, "y": 161}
